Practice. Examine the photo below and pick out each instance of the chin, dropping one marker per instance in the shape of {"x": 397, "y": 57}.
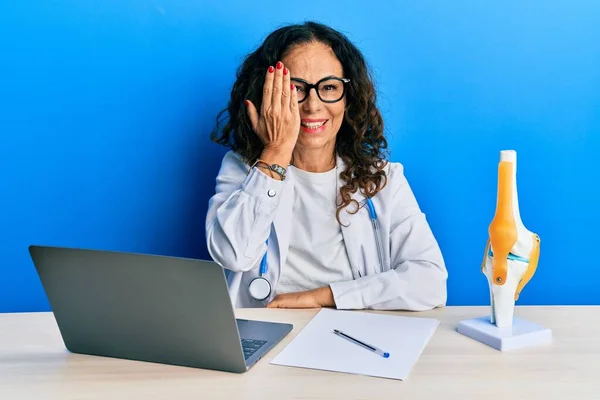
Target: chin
{"x": 313, "y": 141}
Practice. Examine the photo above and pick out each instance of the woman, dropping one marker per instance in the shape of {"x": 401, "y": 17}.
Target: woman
{"x": 292, "y": 220}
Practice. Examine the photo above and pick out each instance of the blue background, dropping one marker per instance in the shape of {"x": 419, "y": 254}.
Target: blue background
{"x": 106, "y": 109}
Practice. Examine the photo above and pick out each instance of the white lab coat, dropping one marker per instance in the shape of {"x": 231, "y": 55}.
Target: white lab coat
{"x": 249, "y": 207}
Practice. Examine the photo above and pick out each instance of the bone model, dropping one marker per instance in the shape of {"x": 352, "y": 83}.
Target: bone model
{"x": 512, "y": 251}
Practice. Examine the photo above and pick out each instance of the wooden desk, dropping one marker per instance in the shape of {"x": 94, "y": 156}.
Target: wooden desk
{"x": 35, "y": 364}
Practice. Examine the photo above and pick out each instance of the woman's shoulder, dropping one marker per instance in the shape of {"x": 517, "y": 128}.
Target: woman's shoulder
{"x": 394, "y": 172}
{"x": 398, "y": 190}
{"x": 394, "y": 168}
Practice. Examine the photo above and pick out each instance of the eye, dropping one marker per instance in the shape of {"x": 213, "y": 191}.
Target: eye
{"x": 300, "y": 87}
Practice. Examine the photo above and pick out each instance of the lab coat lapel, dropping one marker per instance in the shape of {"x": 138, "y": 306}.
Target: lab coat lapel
{"x": 353, "y": 228}
{"x": 282, "y": 223}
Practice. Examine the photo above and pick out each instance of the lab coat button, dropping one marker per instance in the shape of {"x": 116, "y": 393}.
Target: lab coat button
{"x": 271, "y": 193}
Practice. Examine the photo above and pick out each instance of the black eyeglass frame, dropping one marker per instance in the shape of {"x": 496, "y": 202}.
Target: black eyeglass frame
{"x": 315, "y": 86}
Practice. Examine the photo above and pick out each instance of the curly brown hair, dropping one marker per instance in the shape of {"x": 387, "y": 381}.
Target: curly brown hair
{"x": 360, "y": 141}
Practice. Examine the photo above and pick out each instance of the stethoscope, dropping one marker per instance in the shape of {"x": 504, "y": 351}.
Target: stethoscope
{"x": 260, "y": 287}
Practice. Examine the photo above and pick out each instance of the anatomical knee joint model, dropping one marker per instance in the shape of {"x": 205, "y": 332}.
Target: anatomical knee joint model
{"x": 512, "y": 251}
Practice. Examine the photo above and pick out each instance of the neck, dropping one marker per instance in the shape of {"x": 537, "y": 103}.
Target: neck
{"x": 314, "y": 160}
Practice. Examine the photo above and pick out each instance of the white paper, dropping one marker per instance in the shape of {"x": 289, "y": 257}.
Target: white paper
{"x": 317, "y": 347}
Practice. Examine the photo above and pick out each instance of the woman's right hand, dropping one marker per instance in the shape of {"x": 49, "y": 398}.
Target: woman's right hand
{"x": 278, "y": 123}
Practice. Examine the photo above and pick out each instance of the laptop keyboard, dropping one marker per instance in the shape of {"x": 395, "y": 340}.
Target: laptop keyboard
{"x": 250, "y": 346}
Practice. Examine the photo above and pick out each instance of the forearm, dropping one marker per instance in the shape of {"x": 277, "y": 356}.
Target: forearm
{"x": 316, "y": 298}
{"x": 413, "y": 286}
{"x": 238, "y": 221}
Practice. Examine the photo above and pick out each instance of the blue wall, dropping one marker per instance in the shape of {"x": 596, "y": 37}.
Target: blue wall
{"x": 106, "y": 109}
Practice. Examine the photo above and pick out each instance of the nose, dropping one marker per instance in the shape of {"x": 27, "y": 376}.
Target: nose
{"x": 312, "y": 103}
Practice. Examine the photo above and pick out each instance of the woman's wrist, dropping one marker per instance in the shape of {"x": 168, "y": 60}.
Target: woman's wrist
{"x": 280, "y": 155}
{"x": 275, "y": 156}
{"x": 325, "y": 297}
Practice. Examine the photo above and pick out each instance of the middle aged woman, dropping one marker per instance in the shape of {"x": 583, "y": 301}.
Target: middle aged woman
{"x": 307, "y": 211}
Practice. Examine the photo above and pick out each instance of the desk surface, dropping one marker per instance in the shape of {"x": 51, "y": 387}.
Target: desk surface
{"x": 35, "y": 364}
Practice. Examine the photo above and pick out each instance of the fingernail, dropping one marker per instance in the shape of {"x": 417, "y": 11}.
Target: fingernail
{"x": 292, "y": 86}
{"x": 271, "y": 69}
{"x": 247, "y": 103}
{"x": 285, "y": 71}
{"x": 279, "y": 65}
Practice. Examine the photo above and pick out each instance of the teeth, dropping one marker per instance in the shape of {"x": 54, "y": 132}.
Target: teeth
{"x": 313, "y": 125}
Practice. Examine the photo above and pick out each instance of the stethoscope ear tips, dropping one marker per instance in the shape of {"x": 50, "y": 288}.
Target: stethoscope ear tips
{"x": 259, "y": 288}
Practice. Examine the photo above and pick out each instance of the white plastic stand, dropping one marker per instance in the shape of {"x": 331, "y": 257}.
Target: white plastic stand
{"x": 521, "y": 334}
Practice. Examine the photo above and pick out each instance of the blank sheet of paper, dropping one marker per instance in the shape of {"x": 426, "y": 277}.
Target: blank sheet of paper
{"x": 317, "y": 347}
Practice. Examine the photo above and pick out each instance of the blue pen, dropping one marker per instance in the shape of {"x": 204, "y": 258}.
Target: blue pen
{"x": 363, "y": 344}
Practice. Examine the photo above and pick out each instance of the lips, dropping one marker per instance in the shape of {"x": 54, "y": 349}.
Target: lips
{"x": 313, "y": 125}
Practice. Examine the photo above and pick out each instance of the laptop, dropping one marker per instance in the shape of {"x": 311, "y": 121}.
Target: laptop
{"x": 150, "y": 308}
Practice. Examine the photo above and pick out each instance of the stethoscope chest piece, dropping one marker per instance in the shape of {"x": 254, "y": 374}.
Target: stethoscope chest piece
{"x": 259, "y": 288}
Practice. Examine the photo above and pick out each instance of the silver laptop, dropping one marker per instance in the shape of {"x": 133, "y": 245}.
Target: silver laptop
{"x": 150, "y": 308}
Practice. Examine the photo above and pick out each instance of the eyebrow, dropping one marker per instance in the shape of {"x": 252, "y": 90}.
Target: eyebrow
{"x": 305, "y": 81}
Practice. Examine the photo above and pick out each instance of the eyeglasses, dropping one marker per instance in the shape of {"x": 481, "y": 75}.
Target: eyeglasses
{"x": 330, "y": 89}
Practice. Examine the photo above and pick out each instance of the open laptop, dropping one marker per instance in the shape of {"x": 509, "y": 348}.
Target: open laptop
{"x": 150, "y": 308}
